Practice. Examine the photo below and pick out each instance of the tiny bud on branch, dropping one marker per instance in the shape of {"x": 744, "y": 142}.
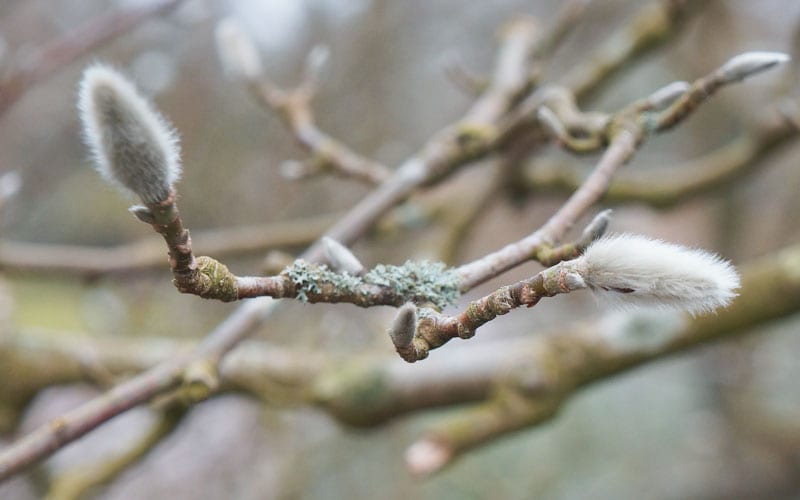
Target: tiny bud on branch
{"x": 750, "y": 63}
{"x": 237, "y": 52}
{"x": 294, "y": 170}
{"x": 340, "y": 258}
{"x": 597, "y": 227}
{"x": 404, "y": 326}
{"x": 667, "y": 94}
{"x": 316, "y": 61}
{"x": 10, "y": 184}
{"x": 426, "y": 457}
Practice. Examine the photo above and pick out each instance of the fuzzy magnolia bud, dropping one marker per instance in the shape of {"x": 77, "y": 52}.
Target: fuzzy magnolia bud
{"x": 632, "y": 269}
{"x": 237, "y": 52}
{"x": 132, "y": 144}
{"x": 750, "y": 63}
{"x": 404, "y": 325}
{"x": 340, "y": 258}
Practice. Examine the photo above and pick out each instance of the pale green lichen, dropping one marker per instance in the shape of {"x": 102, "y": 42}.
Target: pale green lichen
{"x": 308, "y": 277}
{"x": 419, "y": 282}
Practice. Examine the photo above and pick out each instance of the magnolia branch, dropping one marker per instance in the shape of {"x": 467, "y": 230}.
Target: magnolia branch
{"x": 539, "y": 372}
{"x": 147, "y": 253}
{"x": 495, "y": 115}
{"x": 626, "y": 130}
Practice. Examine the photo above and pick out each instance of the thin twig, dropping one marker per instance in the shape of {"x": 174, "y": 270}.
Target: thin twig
{"x": 72, "y": 485}
{"x": 668, "y": 186}
{"x": 78, "y": 42}
{"x": 294, "y": 107}
{"x": 148, "y": 253}
{"x": 647, "y": 29}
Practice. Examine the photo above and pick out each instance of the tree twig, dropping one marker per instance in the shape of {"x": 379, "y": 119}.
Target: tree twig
{"x": 80, "y": 41}
{"x": 148, "y": 253}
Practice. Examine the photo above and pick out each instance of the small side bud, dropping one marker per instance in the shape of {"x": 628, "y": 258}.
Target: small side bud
{"x": 340, "y": 258}
{"x": 316, "y": 61}
{"x": 426, "y": 457}
{"x": 667, "y": 94}
{"x": 631, "y": 269}
{"x": 132, "y": 144}
{"x": 143, "y": 213}
{"x": 404, "y": 326}
{"x": 597, "y": 228}
{"x": 550, "y": 121}
{"x": 10, "y": 184}
{"x": 237, "y": 52}
{"x": 294, "y": 170}
{"x": 750, "y": 63}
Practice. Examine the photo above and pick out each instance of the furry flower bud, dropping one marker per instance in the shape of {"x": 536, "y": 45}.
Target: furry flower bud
{"x": 132, "y": 144}
{"x": 632, "y": 269}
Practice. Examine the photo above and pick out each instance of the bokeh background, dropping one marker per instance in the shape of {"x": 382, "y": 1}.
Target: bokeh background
{"x": 700, "y": 425}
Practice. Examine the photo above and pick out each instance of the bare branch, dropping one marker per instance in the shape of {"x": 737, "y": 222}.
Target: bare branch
{"x": 240, "y": 57}
{"x": 647, "y": 29}
{"x": 668, "y": 186}
{"x": 76, "y": 484}
{"x": 148, "y": 253}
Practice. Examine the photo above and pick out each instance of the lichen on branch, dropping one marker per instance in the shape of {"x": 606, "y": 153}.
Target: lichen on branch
{"x": 421, "y": 282}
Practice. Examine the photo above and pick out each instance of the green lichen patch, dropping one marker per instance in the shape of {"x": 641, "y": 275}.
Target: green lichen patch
{"x": 308, "y": 277}
{"x": 419, "y": 281}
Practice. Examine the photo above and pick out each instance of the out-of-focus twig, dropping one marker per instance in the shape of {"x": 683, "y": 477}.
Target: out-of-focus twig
{"x": 149, "y": 253}
{"x": 240, "y": 57}
{"x": 668, "y": 186}
{"x": 78, "y": 42}
{"x": 648, "y": 28}
{"x": 73, "y": 485}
